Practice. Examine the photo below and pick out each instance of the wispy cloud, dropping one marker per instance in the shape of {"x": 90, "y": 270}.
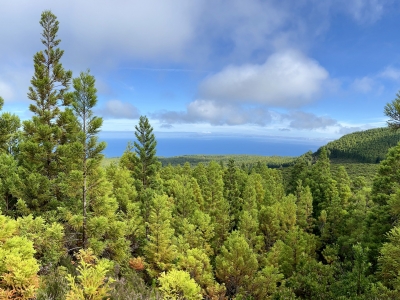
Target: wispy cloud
{"x": 304, "y": 120}
{"x": 214, "y": 113}
{"x": 116, "y": 109}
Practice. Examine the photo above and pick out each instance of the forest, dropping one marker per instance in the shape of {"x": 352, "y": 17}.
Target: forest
{"x": 369, "y": 146}
{"x": 72, "y": 227}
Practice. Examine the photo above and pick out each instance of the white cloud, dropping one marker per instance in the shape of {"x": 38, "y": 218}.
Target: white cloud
{"x": 304, "y": 120}
{"x": 366, "y": 11}
{"x": 363, "y": 85}
{"x": 349, "y": 129}
{"x": 205, "y": 111}
{"x": 116, "y": 109}
{"x": 286, "y": 79}
{"x": 101, "y": 31}
{"x": 390, "y": 73}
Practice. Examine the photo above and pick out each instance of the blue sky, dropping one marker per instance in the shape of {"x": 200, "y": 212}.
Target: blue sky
{"x": 307, "y": 69}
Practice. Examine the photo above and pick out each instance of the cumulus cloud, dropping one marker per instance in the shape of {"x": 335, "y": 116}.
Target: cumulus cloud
{"x": 206, "y": 111}
{"x": 304, "y": 120}
{"x": 116, "y": 109}
{"x": 287, "y": 79}
{"x": 121, "y": 30}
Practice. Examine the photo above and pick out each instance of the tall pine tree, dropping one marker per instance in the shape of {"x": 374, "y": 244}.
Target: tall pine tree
{"x": 145, "y": 148}
{"x": 46, "y": 149}
{"x": 84, "y": 99}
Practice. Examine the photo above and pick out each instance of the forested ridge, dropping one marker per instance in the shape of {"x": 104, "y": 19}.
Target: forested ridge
{"x": 240, "y": 160}
{"x": 74, "y": 228}
{"x": 368, "y": 146}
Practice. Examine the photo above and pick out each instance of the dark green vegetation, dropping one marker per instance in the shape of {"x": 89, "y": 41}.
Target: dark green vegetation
{"x": 73, "y": 227}
{"x": 369, "y": 146}
{"x": 240, "y": 160}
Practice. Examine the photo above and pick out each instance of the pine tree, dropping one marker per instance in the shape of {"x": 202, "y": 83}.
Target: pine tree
{"x": 46, "y": 149}
{"x": 177, "y": 285}
{"x": 145, "y": 148}
{"x": 304, "y": 203}
{"x": 236, "y": 265}
{"x": 392, "y": 110}
{"x": 84, "y": 99}
{"x": 248, "y": 221}
{"x": 322, "y": 186}
{"x": 9, "y": 131}
{"x": 216, "y": 205}
{"x": 231, "y": 191}
{"x": 343, "y": 185}
{"x": 159, "y": 250}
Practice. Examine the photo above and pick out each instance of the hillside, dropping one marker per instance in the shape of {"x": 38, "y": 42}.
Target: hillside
{"x": 369, "y": 146}
{"x": 270, "y": 161}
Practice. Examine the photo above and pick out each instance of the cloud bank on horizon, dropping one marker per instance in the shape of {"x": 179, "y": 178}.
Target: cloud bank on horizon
{"x": 305, "y": 68}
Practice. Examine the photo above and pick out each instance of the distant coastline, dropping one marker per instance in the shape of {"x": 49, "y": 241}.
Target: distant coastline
{"x": 169, "y": 145}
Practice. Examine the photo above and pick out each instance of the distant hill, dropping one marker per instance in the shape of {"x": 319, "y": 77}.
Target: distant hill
{"x": 369, "y": 146}
{"x": 270, "y": 161}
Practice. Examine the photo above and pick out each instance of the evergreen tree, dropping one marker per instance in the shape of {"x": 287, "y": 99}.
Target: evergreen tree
{"x": 389, "y": 260}
{"x": 304, "y": 204}
{"x": 84, "y": 99}
{"x": 46, "y": 148}
{"x": 231, "y": 191}
{"x": 145, "y": 148}
{"x": 177, "y": 285}
{"x": 343, "y": 185}
{"x": 216, "y": 205}
{"x": 9, "y": 131}
{"x": 248, "y": 222}
{"x": 10, "y": 184}
{"x": 196, "y": 262}
{"x": 159, "y": 250}
{"x": 18, "y": 267}
{"x": 322, "y": 186}
{"x": 392, "y": 110}
{"x": 236, "y": 265}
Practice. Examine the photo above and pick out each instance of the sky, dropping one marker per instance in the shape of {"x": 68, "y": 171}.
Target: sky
{"x": 306, "y": 69}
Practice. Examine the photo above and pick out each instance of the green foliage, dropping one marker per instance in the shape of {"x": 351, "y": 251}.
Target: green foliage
{"x": 369, "y": 146}
{"x": 84, "y": 99}
{"x": 9, "y": 133}
{"x": 18, "y": 267}
{"x": 10, "y": 183}
{"x": 177, "y": 284}
{"x": 145, "y": 148}
{"x": 92, "y": 282}
{"x": 245, "y": 227}
{"x": 47, "y": 238}
{"x": 159, "y": 250}
{"x": 249, "y": 161}
{"x": 47, "y": 149}
{"x": 392, "y": 110}
{"x": 236, "y": 265}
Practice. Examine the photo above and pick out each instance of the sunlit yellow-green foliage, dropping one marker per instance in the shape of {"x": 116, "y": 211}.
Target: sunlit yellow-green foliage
{"x": 159, "y": 250}
{"x": 92, "y": 282}
{"x": 18, "y": 267}
{"x": 177, "y": 285}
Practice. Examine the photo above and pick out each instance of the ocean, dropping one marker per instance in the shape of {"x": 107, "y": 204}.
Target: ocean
{"x": 190, "y": 144}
